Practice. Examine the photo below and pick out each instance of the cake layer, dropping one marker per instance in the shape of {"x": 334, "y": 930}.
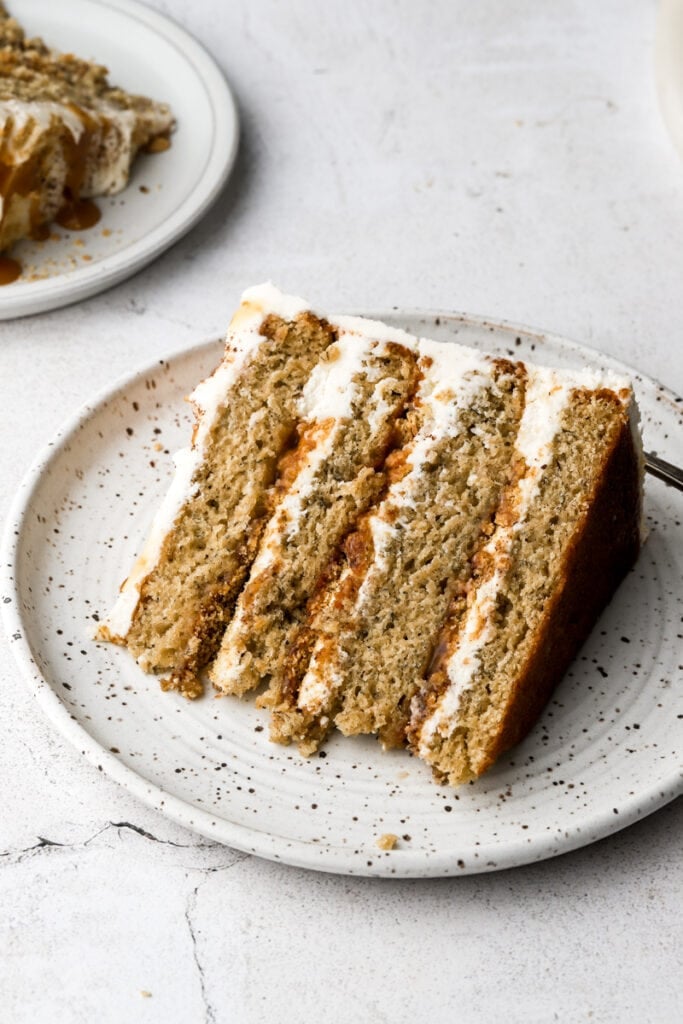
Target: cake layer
{"x": 567, "y": 532}
{"x": 174, "y": 606}
{"x": 370, "y": 637}
{"x": 349, "y": 409}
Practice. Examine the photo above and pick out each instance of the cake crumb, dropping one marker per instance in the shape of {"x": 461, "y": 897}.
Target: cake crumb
{"x": 145, "y": 994}
{"x": 387, "y": 841}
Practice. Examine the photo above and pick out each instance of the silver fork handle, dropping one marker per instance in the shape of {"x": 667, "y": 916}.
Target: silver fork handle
{"x": 664, "y": 470}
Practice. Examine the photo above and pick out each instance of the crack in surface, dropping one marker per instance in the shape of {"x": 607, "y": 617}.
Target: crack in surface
{"x": 46, "y": 845}
{"x": 237, "y": 857}
{"x": 40, "y": 845}
{"x": 190, "y": 907}
{"x": 155, "y": 839}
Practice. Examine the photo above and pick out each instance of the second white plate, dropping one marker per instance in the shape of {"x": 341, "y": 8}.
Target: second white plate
{"x": 168, "y": 192}
{"x": 606, "y": 751}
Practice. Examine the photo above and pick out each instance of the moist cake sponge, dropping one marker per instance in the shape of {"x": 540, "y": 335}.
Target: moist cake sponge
{"x": 386, "y": 535}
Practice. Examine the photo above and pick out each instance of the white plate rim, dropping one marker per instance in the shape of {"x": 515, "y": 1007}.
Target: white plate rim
{"x": 30, "y": 297}
{"x": 295, "y": 852}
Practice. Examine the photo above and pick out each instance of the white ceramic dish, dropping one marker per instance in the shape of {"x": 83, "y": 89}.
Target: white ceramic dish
{"x": 606, "y": 752}
{"x": 145, "y": 53}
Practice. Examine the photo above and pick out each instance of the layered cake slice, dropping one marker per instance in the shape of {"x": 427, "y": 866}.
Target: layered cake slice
{"x": 371, "y": 635}
{"x": 385, "y": 534}
{"x": 174, "y": 606}
{"x": 65, "y": 133}
{"x": 566, "y": 531}
{"x": 348, "y": 412}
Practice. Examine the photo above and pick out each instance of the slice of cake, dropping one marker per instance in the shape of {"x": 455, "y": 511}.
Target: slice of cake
{"x": 175, "y": 605}
{"x": 386, "y": 535}
{"x": 371, "y": 635}
{"x": 348, "y": 412}
{"x": 567, "y": 529}
{"x": 65, "y": 133}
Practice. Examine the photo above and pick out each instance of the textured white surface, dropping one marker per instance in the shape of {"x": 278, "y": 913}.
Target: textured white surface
{"x": 504, "y": 159}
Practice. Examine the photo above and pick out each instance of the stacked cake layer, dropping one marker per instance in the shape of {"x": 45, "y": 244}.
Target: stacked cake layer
{"x": 384, "y": 534}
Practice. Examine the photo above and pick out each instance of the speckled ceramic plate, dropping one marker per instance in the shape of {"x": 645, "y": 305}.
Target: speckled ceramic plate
{"x": 168, "y": 192}
{"x": 606, "y": 752}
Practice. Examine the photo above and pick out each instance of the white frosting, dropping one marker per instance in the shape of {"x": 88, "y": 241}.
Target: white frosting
{"x": 105, "y": 174}
{"x": 117, "y": 623}
{"x": 367, "y": 328}
{"x": 109, "y": 175}
{"x": 322, "y": 678}
{"x": 547, "y": 395}
{"x": 40, "y": 115}
{"x": 329, "y": 391}
{"x": 266, "y": 299}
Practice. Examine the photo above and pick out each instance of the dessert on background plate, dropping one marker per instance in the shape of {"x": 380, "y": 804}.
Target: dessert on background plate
{"x": 384, "y": 534}
{"x": 66, "y": 136}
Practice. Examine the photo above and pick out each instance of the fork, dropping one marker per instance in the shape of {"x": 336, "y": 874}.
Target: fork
{"x": 664, "y": 470}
